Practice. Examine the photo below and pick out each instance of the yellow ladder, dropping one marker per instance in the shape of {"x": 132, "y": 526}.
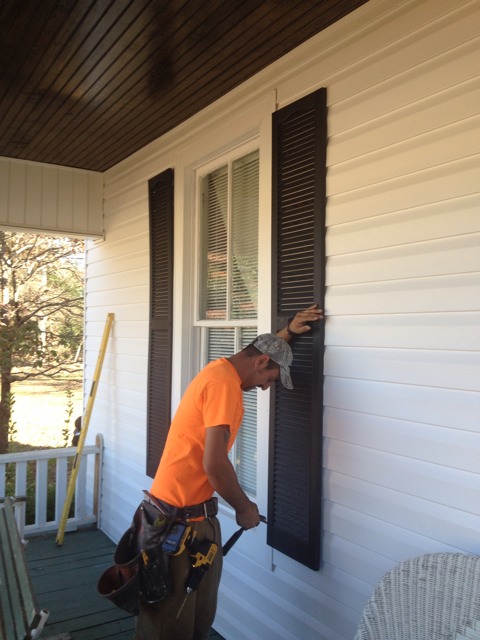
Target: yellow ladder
{"x": 83, "y": 431}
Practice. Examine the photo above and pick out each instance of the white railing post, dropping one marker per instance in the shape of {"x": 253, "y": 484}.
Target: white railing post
{"x": 21, "y": 478}
{"x": 3, "y": 473}
{"x": 61, "y": 486}
{"x": 84, "y": 514}
{"x": 41, "y": 493}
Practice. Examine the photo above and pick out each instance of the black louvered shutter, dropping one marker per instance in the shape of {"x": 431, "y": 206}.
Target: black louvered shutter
{"x": 160, "y": 190}
{"x": 295, "y": 466}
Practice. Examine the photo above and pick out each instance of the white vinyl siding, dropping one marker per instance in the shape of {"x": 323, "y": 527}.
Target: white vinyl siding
{"x": 402, "y": 403}
{"x": 50, "y": 198}
{"x": 402, "y": 384}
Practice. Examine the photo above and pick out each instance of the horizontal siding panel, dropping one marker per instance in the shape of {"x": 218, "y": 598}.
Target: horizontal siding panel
{"x": 459, "y": 254}
{"x": 443, "y": 369}
{"x": 442, "y": 407}
{"x": 133, "y": 439}
{"x": 131, "y": 241}
{"x": 360, "y": 562}
{"x": 133, "y": 362}
{"x": 129, "y": 422}
{"x": 333, "y": 586}
{"x": 131, "y": 295}
{"x": 447, "y": 107}
{"x": 125, "y": 399}
{"x": 453, "y": 448}
{"x": 123, "y": 312}
{"x": 420, "y": 295}
{"x": 377, "y": 89}
{"x": 130, "y": 223}
{"x": 136, "y": 329}
{"x": 440, "y": 523}
{"x": 124, "y": 278}
{"x": 455, "y": 142}
{"x": 427, "y": 222}
{"x": 130, "y": 261}
{"x": 376, "y": 50}
{"x": 391, "y": 544}
{"x": 273, "y": 612}
{"x": 454, "y": 180}
{"x": 135, "y": 378}
{"x": 453, "y": 488}
{"x": 129, "y": 198}
{"x": 456, "y": 330}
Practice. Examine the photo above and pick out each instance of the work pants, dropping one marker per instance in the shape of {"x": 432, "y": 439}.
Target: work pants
{"x": 159, "y": 621}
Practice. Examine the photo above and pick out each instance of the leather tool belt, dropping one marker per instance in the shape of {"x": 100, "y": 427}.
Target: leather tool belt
{"x": 206, "y": 509}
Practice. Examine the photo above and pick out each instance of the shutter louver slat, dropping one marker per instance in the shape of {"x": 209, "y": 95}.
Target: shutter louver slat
{"x": 161, "y": 295}
{"x": 299, "y": 146}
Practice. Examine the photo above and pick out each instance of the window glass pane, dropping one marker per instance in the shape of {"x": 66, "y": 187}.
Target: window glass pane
{"x": 246, "y": 444}
{"x": 222, "y": 343}
{"x": 228, "y": 283}
{"x": 244, "y": 261}
{"x": 214, "y": 215}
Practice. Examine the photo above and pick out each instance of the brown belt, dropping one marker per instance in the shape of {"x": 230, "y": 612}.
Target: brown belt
{"x": 206, "y": 509}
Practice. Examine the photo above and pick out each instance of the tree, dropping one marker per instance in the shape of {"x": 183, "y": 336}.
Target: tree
{"x": 41, "y": 312}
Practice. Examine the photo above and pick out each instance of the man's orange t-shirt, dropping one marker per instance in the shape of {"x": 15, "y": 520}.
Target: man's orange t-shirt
{"x": 213, "y": 398}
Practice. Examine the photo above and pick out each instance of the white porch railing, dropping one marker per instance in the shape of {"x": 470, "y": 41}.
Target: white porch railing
{"x": 86, "y": 497}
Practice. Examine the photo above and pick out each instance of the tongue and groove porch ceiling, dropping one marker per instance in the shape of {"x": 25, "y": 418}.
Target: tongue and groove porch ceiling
{"x": 86, "y": 83}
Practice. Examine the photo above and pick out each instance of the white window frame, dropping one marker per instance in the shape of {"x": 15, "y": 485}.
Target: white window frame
{"x": 199, "y": 323}
{"x": 259, "y": 136}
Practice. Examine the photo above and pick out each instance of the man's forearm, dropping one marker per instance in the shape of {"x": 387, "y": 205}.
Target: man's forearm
{"x": 222, "y": 477}
{"x": 225, "y": 482}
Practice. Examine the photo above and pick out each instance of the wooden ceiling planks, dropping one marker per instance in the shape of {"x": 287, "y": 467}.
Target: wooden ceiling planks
{"x": 86, "y": 83}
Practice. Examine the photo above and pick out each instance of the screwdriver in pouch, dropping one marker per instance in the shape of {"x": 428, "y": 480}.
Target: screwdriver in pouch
{"x": 202, "y": 554}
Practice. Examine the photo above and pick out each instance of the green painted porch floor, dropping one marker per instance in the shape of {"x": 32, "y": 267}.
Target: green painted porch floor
{"x": 65, "y": 582}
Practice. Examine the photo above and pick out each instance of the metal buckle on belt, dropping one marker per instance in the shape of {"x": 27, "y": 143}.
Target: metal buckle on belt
{"x": 205, "y": 510}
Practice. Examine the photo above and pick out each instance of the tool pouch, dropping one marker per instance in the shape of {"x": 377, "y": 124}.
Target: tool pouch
{"x": 120, "y": 583}
{"x": 141, "y": 571}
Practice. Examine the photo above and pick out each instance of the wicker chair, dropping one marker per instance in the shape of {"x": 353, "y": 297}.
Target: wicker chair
{"x": 430, "y": 597}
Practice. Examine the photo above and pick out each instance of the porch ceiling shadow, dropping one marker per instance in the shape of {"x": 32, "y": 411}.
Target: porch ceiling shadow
{"x": 86, "y": 83}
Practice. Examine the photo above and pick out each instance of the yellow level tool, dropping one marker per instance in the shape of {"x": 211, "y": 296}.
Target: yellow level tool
{"x": 83, "y": 431}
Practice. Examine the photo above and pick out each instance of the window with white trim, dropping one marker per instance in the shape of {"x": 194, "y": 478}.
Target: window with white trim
{"x": 227, "y": 289}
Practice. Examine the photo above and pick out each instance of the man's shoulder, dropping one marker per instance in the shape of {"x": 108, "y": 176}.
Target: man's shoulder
{"x": 219, "y": 369}
{"x": 218, "y": 372}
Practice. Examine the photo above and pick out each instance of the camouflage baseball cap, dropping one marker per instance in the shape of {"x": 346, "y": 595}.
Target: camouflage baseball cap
{"x": 279, "y": 351}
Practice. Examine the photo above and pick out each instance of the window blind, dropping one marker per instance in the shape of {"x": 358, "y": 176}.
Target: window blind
{"x": 224, "y": 342}
{"x": 229, "y": 240}
{"x": 215, "y": 244}
{"x": 244, "y": 268}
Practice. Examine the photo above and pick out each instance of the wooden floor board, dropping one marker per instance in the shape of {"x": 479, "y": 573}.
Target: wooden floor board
{"x": 65, "y": 580}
